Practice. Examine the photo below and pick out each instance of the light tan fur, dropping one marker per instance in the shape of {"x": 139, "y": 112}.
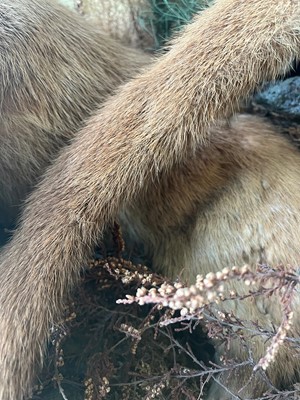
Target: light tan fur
{"x": 54, "y": 70}
{"x": 236, "y": 202}
{"x": 160, "y": 152}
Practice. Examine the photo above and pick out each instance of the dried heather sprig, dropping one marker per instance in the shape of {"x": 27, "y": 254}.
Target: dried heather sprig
{"x": 192, "y": 300}
{"x": 285, "y": 326}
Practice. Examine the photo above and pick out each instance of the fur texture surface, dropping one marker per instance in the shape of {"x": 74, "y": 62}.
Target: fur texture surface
{"x": 55, "y": 69}
{"x": 239, "y": 204}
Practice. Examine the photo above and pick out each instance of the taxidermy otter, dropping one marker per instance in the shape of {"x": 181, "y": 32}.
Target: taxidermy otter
{"x": 203, "y": 192}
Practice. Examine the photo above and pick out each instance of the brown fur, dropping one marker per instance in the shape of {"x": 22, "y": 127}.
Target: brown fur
{"x": 237, "y": 204}
{"x": 158, "y": 151}
{"x": 54, "y": 70}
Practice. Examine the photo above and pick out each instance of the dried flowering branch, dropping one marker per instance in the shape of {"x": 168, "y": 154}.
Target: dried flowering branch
{"x": 286, "y": 302}
{"x": 210, "y": 289}
{"x": 192, "y": 301}
{"x": 177, "y": 363}
{"x": 122, "y": 270}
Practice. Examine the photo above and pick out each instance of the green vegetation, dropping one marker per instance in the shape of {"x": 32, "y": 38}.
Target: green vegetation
{"x": 171, "y": 15}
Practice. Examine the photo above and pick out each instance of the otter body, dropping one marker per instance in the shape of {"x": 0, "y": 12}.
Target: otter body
{"x": 201, "y": 193}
